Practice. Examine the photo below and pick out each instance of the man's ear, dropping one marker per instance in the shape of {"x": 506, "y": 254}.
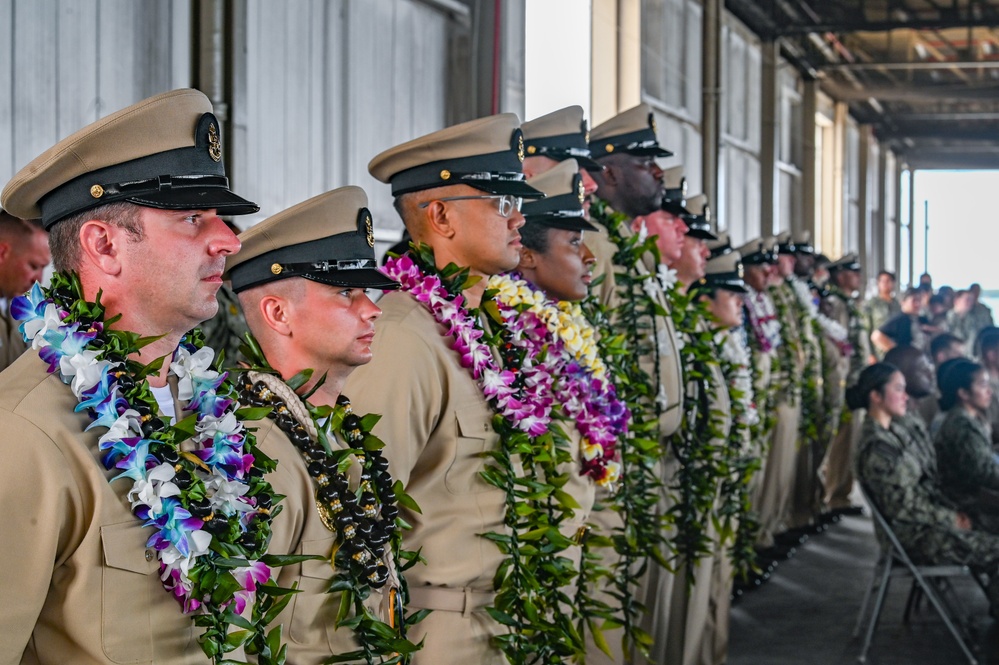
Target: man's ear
{"x": 5, "y": 248}
{"x": 100, "y": 245}
{"x": 438, "y": 221}
{"x": 276, "y": 314}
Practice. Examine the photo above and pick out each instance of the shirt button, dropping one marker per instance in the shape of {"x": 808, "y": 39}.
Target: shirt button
{"x": 150, "y": 555}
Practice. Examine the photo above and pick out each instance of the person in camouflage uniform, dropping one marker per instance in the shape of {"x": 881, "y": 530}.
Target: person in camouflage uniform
{"x": 840, "y": 305}
{"x": 883, "y": 307}
{"x": 967, "y": 319}
{"x": 895, "y": 466}
{"x": 968, "y": 465}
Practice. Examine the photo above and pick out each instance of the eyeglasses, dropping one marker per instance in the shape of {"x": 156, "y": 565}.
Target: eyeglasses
{"x": 507, "y": 203}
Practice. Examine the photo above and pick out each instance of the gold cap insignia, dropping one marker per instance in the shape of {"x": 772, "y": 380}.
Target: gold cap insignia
{"x": 652, "y": 122}
{"x": 520, "y": 147}
{"x": 369, "y": 232}
{"x": 214, "y": 144}
{"x": 531, "y": 150}
{"x": 707, "y": 213}
{"x": 740, "y": 270}
{"x": 609, "y": 147}
{"x": 683, "y": 186}
{"x": 445, "y": 175}
{"x": 276, "y": 268}
{"x": 580, "y": 190}
{"x": 97, "y": 191}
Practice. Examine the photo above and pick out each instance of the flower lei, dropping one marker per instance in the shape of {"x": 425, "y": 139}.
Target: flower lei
{"x": 530, "y": 604}
{"x": 744, "y": 459}
{"x": 836, "y": 333}
{"x": 761, "y": 314}
{"x": 369, "y": 542}
{"x": 581, "y": 384}
{"x": 629, "y": 333}
{"x": 198, "y": 484}
{"x": 811, "y": 428}
{"x": 786, "y": 361}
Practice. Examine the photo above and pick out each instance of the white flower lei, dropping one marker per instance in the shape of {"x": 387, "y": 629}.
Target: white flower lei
{"x": 735, "y": 354}
{"x": 833, "y": 330}
{"x": 763, "y": 319}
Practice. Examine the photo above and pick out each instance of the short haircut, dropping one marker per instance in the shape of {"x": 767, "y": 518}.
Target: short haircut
{"x": 64, "y": 238}
{"x": 988, "y": 339}
{"x": 912, "y": 292}
{"x": 938, "y": 300}
{"x": 15, "y": 229}
{"x": 535, "y": 237}
{"x": 888, "y": 273}
{"x": 942, "y": 342}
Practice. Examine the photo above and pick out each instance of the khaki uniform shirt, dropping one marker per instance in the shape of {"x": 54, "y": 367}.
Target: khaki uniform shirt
{"x": 11, "y": 343}
{"x": 436, "y": 424}
{"x": 79, "y": 586}
{"x": 670, "y": 373}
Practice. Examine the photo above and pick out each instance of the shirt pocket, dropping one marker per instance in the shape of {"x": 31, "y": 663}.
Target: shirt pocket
{"x": 314, "y": 610}
{"x": 129, "y": 580}
{"x": 474, "y": 435}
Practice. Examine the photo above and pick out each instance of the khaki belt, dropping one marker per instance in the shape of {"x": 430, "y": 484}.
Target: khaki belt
{"x": 443, "y": 599}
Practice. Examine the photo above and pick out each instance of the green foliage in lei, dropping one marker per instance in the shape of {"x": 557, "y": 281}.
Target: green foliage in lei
{"x": 857, "y": 333}
{"x": 785, "y": 363}
{"x": 212, "y": 575}
{"x": 813, "y": 428}
{"x": 533, "y": 581}
{"x": 627, "y": 336}
{"x": 378, "y": 641}
{"x": 742, "y": 461}
{"x": 700, "y": 445}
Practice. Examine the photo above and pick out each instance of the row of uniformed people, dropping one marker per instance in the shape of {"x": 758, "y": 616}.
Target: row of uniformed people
{"x": 460, "y": 522}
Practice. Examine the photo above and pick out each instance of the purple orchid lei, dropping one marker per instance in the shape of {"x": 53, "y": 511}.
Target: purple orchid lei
{"x": 197, "y": 484}
{"x": 525, "y": 403}
{"x": 581, "y": 385}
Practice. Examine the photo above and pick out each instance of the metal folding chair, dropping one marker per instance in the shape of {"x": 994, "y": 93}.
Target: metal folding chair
{"x": 895, "y": 562}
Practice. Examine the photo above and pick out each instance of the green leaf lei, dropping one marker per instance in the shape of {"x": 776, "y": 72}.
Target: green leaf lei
{"x": 357, "y": 570}
{"x": 700, "y": 444}
{"x": 627, "y": 335}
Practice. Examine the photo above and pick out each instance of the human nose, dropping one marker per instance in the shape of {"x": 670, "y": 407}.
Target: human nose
{"x": 371, "y": 311}
{"x": 516, "y": 220}
{"x": 656, "y": 171}
{"x": 588, "y": 258}
{"x": 589, "y": 184}
{"x": 224, "y": 242}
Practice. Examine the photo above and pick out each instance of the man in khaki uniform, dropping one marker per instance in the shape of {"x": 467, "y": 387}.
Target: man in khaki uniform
{"x": 457, "y": 190}
{"x": 24, "y": 253}
{"x": 631, "y": 185}
{"x": 301, "y": 277}
{"x": 132, "y": 205}
{"x": 556, "y": 137}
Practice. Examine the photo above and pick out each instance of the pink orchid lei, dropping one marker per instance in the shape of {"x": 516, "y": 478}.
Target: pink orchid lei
{"x": 762, "y": 318}
{"x": 581, "y": 385}
{"x": 197, "y": 484}
{"x": 525, "y": 401}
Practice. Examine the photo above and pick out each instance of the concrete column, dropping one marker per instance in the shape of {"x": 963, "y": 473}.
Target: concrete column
{"x": 838, "y": 176}
{"x": 711, "y": 106}
{"x": 603, "y": 61}
{"x": 629, "y": 54}
{"x": 809, "y": 182}
{"x": 898, "y": 219}
{"x": 912, "y": 229}
{"x": 877, "y": 253}
{"x": 863, "y": 200}
{"x": 769, "y": 140}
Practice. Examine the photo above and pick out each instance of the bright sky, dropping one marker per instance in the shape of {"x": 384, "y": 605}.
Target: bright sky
{"x": 557, "y": 56}
{"x": 964, "y": 230}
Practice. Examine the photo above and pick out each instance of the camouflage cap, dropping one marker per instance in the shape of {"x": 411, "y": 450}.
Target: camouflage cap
{"x": 164, "y": 152}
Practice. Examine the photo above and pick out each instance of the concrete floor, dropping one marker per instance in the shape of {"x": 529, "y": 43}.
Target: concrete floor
{"x": 805, "y": 614}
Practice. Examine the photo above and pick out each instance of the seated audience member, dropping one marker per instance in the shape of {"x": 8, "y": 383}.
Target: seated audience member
{"x": 920, "y": 380}
{"x": 903, "y": 329}
{"x": 899, "y": 476}
{"x": 944, "y": 347}
{"x": 969, "y": 470}
{"x": 988, "y": 352}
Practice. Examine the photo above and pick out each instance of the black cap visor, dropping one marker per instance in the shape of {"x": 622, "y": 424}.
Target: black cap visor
{"x": 700, "y": 230}
{"x": 498, "y": 184}
{"x": 360, "y": 278}
{"x": 196, "y": 198}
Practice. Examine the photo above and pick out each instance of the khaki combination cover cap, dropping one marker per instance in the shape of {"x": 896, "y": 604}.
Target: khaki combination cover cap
{"x": 720, "y": 245}
{"x": 698, "y": 218}
{"x": 560, "y": 135}
{"x": 784, "y": 243}
{"x": 724, "y": 272}
{"x": 632, "y": 131}
{"x": 163, "y": 152}
{"x": 757, "y": 252}
{"x": 486, "y": 154}
{"x": 328, "y": 238}
{"x": 562, "y": 207}
{"x": 847, "y": 262}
